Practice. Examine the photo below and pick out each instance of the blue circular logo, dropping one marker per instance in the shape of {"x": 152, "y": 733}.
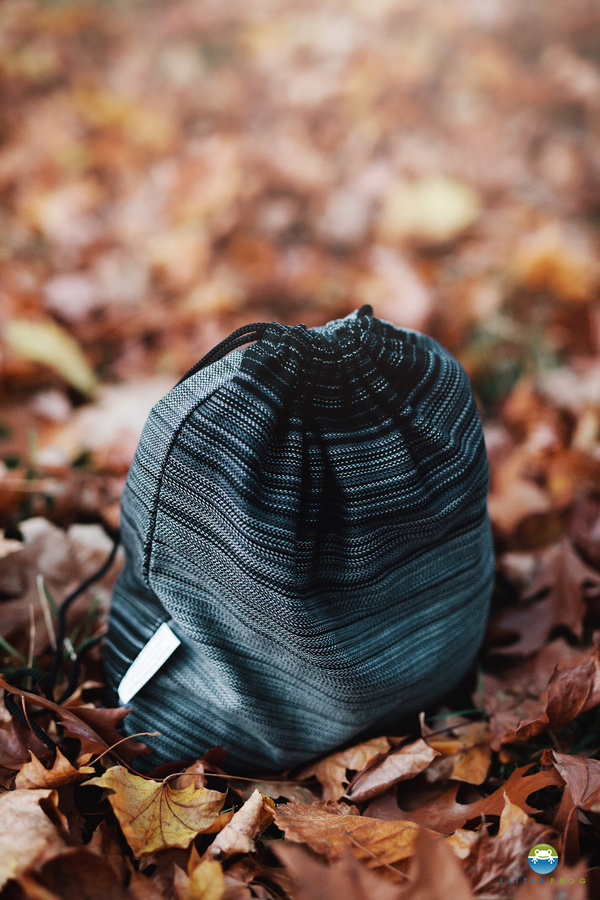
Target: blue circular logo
{"x": 543, "y": 859}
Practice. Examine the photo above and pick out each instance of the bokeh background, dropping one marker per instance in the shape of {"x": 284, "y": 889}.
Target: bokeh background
{"x": 172, "y": 170}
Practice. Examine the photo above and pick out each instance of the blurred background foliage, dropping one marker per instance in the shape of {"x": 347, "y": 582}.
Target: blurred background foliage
{"x": 170, "y": 171}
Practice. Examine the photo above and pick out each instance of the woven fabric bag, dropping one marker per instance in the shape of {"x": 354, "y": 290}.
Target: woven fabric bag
{"x": 308, "y": 516}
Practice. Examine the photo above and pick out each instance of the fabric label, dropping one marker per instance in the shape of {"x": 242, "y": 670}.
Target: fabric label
{"x": 148, "y": 661}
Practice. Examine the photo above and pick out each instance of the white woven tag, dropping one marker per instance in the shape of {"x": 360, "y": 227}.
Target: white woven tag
{"x": 148, "y": 661}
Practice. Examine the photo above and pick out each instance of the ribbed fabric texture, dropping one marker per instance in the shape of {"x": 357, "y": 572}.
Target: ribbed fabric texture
{"x": 309, "y": 515}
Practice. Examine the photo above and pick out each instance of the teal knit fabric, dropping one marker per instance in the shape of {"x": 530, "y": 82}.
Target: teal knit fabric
{"x": 309, "y": 516}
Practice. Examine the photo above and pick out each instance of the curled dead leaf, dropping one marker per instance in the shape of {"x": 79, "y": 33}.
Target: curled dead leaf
{"x": 238, "y": 835}
{"x": 332, "y": 771}
{"x": 397, "y": 765}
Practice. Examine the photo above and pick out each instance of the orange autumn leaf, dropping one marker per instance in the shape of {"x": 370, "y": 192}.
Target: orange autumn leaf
{"x": 28, "y": 833}
{"x": 329, "y": 830}
{"x": 465, "y": 756}
{"x": 153, "y": 815}
{"x": 34, "y": 775}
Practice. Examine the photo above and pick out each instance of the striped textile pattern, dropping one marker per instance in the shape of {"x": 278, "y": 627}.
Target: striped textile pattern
{"x": 309, "y": 516}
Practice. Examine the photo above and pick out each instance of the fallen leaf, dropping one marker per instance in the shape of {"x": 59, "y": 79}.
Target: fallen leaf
{"x": 397, "y": 765}
{"x": 444, "y": 814}
{"x": 504, "y": 855}
{"x": 465, "y": 756}
{"x": 34, "y": 775}
{"x": 435, "y": 209}
{"x": 75, "y": 724}
{"x": 582, "y": 791}
{"x": 347, "y": 877}
{"x": 328, "y": 832}
{"x": 76, "y": 874}
{"x": 563, "y": 576}
{"x": 238, "y": 835}
{"x": 332, "y": 771}
{"x": 571, "y": 691}
{"x": 46, "y": 342}
{"x": 435, "y": 872}
{"x": 28, "y": 836}
{"x": 153, "y": 815}
{"x": 205, "y": 882}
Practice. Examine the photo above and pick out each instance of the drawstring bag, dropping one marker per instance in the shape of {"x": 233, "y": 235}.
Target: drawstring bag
{"x": 308, "y": 551}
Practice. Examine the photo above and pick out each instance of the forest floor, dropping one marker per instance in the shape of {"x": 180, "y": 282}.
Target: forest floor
{"x": 169, "y": 172}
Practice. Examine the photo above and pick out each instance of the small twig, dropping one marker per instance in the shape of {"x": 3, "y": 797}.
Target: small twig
{"x": 380, "y": 861}
{"x": 46, "y": 610}
{"x": 92, "y": 762}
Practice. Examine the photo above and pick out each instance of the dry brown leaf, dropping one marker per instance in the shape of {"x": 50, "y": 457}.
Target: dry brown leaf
{"x": 563, "y": 575}
{"x": 397, "y": 765}
{"x": 238, "y": 835}
{"x": 464, "y": 757}
{"x": 328, "y": 832}
{"x": 582, "y": 791}
{"x": 444, "y": 814}
{"x": 347, "y": 877}
{"x": 34, "y": 775}
{"x": 28, "y": 836}
{"x": 332, "y": 771}
{"x": 153, "y": 815}
{"x": 571, "y": 691}
{"x": 435, "y": 872}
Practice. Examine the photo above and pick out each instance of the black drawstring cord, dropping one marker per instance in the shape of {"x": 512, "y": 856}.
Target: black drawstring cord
{"x": 243, "y": 335}
{"x": 46, "y": 683}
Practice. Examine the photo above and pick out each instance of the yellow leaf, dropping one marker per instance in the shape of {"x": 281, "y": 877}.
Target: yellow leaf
{"x": 153, "y": 815}
{"x": 34, "y": 775}
{"x": 46, "y": 342}
{"x": 206, "y": 882}
{"x": 435, "y": 208}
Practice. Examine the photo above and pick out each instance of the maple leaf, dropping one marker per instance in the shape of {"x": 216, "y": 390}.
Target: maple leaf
{"x": 397, "y": 765}
{"x": 564, "y": 576}
{"x": 238, "y": 835}
{"x": 35, "y": 775}
{"x": 153, "y": 815}
{"x": 328, "y": 830}
{"x": 29, "y": 836}
{"x": 332, "y": 771}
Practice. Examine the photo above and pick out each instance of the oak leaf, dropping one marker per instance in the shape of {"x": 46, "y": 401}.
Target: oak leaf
{"x": 397, "y": 765}
{"x": 153, "y": 815}
{"x": 28, "y": 835}
{"x": 35, "y": 775}
{"x": 444, "y": 814}
{"x": 238, "y": 835}
{"x": 582, "y": 791}
{"x": 332, "y": 771}
{"x": 563, "y": 577}
{"x": 328, "y": 831}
